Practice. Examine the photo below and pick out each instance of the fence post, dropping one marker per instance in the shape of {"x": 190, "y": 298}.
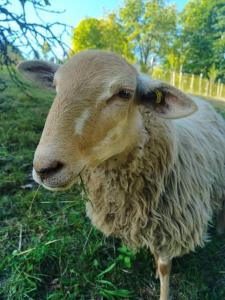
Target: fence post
{"x": 192, "y": 82}
{"x": 221, "y": 89}
{"x": 207, "y": 88}
{"x": 174, "y": 78}
{"x": 211, "y": 83}
{"x": 200, "y": 84}
{"x": 180, "y": 85}
{"x": 218, "y": 88}
{"x": 180, "y": 80}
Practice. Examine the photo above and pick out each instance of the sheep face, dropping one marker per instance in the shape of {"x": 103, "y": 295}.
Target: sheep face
{"x": 94, "y": 115}
{"x": 91, "y": 118}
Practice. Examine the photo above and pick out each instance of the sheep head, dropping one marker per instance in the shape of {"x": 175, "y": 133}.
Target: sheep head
{"x": 95, "y": 113}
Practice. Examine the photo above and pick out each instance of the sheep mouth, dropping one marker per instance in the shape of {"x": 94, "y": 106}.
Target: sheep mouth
{"x": 58, "y": 188}
{"x": 53, "y": 183}
{"x": 66, "y": 185}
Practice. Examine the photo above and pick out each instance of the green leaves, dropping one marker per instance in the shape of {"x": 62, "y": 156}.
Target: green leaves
{"x": 107, "y": 270}
{"x": 203, "y": 27}
{"x": 105, "y": 34}
{"x": 106, "y": 288}
{"x": 126, "y": 256}
{"x": 142, "y": 29}
{"x": 150, "y": 25}
{"x": 147, "y": 31}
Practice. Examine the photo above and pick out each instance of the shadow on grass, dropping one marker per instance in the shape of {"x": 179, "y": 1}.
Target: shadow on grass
{"x": 201, "y": 274}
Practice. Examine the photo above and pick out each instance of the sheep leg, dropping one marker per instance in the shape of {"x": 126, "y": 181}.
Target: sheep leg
{"x": 156, "y": 257}
{"x": 164, "y": 267}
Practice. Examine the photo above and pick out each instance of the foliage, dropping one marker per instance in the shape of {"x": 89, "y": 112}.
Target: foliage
{"x": 105, "y": 34}
{"x": 143, "y": 29}
{"x": 175, "y": 57}
{"x": 203, "y": 34}
{"x": 213, "y": 73}
{"x": 150, "y": 26}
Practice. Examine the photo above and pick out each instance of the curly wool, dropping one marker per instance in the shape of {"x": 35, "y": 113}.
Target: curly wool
{"x": 164, "y": 193}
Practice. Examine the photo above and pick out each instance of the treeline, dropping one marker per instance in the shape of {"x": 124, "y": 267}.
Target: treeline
{"x": 152, "y": 33}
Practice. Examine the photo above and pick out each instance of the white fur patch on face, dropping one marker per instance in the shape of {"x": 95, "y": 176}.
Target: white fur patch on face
{"x": 80, "y": 122}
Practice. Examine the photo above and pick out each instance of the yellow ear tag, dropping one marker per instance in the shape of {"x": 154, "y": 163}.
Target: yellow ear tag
{"x": 158, "y": 96}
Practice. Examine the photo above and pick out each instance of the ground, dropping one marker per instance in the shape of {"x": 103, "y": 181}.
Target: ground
{"x": 49, "y": 249}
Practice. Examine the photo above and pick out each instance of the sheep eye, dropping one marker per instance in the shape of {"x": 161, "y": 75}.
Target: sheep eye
{"x": 124, "y": 94}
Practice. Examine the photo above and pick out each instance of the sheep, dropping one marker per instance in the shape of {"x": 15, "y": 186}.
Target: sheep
{"x": 152, "y": 158}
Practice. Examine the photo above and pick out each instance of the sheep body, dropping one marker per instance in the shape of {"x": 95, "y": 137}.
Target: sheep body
{"x": 153, "y": 179}
{"x": 163, "y": 193}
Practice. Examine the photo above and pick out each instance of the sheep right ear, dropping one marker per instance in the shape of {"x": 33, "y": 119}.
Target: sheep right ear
{"x": 38, "y": 71}
{"x": 163, "y": 99}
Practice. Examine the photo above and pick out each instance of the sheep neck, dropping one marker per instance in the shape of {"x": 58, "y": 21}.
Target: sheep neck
{"x": 124, "y": 190}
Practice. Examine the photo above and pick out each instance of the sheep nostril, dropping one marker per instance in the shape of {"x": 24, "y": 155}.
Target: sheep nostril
{"x": 51, "y": 169}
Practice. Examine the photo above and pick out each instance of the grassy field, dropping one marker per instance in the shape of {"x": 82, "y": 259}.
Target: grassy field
{"x": 49, "y": 249}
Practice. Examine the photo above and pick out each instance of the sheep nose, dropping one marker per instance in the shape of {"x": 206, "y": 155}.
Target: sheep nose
{"x": 48, "y": 170}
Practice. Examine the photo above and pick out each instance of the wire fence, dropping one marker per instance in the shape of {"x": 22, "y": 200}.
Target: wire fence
{"x": 191, "y": 83}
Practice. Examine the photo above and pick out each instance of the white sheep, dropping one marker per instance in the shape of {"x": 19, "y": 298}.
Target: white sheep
{"x": 154, "y": 178}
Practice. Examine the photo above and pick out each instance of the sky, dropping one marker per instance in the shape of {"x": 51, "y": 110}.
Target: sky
{"x": 76, "y": 10}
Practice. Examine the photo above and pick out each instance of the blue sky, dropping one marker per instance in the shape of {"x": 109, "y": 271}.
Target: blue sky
{"x": 76, "y": 10}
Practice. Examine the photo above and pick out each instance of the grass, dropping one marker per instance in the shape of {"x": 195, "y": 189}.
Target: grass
{"x": 49, "y": 250}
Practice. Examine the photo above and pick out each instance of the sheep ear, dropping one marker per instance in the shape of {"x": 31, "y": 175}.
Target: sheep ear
{"x": 164, "y": 100}
{"x": 38, "y": 71}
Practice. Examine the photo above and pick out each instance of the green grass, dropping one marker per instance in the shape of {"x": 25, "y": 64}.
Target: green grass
{"x": 49, "y": 249}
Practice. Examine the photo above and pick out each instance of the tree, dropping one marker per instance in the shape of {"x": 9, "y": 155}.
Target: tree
{"x": 203, "y": 34}
{"x": 17, "y": 32}
{"x": 150, "y": 26}
{"x": 213, "y": 73}
{"x": 105, "y": 34}
{"x": 175, "y": 56}
{"x": 87, "y": 35}
{"x": 143, "y": 29}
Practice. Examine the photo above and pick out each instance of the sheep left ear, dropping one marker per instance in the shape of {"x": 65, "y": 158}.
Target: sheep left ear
{"x": 39, "y": 72}
{"x": 164, "y": 100}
